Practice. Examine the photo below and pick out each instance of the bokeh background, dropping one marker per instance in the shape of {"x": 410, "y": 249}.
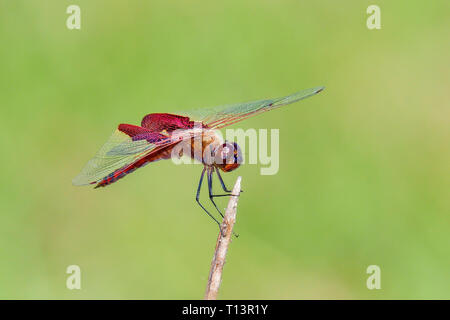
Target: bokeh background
{"x": 364, "y": 166}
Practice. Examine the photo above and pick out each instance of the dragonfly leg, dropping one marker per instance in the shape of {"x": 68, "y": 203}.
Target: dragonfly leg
{"x": 211, "y": 196}
{"x": 223, "y": 187}
{"x": 221, "y": 181}
{"x": 198, "y": 197}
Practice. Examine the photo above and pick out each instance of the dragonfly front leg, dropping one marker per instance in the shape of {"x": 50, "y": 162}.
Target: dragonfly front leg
{"x": 223, "y": 186}
{"x": 211, "y": 195}
{"x": 221, "y": 181}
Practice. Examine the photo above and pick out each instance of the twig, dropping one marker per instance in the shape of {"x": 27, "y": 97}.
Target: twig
{"x": 223, "y": 241}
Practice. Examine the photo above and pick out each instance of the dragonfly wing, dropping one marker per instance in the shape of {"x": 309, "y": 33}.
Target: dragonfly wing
{"x": 219, "y": 117}
{"x": 129, "y": 145}
{"x": 119, "y": 151}
{"x": 126, "y": 148}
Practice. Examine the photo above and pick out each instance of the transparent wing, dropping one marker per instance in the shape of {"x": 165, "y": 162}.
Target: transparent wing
{"x": 127, "y": 148}
{"x": 119, "y": 151}
{"x": 219, "y": 117}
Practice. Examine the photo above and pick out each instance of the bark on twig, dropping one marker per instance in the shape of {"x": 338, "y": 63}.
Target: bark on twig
{"x": 223, "y": 241}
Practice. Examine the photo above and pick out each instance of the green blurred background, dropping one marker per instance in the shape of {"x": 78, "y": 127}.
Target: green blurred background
{"x": 364, "y": 166}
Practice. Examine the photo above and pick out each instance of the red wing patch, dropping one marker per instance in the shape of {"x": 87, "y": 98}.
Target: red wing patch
{"x": 157, "y": 122}
{"x": 139, "y": 133}
{"x": 152, "y": 127}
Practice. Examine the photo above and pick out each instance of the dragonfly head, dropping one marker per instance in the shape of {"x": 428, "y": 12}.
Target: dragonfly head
{"x": 228, "y": 156}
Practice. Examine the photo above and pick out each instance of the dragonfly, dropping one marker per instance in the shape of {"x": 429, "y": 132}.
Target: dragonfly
{"x": 163, "y": 136}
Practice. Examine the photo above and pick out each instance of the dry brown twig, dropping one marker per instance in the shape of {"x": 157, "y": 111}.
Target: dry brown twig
{"x": 223, "y": 241}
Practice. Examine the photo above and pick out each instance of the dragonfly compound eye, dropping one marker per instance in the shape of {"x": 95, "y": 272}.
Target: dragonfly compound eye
{"x": 228, "y": 156}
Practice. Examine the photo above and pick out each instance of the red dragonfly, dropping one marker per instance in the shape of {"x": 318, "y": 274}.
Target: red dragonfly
{"x": 160, "y": 134}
